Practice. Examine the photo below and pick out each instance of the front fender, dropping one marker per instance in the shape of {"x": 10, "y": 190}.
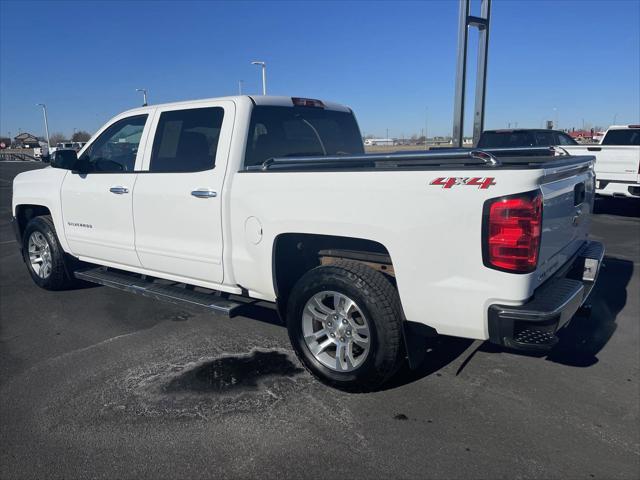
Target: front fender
{"x": 42, "y": 188}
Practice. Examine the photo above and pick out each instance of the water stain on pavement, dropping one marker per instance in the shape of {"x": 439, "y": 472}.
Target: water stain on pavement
{"x": 234, "y": 373}
{"x": 229, "y": 383}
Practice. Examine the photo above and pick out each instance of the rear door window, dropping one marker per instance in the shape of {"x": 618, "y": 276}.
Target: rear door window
{"x": 187, "y": 140}
{"x": 545, "y": 138}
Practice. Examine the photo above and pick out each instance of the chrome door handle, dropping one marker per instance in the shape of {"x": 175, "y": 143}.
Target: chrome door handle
{"x": 119, "y": 190}
{"x": 204, "y": 193}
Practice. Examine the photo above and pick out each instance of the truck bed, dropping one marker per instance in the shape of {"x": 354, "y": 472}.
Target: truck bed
{"x": 530, "y": 158}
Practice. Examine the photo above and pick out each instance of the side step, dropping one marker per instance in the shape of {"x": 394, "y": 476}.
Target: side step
{"x": 160, "y": 290}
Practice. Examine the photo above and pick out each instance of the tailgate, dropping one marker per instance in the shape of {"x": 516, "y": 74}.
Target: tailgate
{"x": 567, "y": 204}
{"x": 616, "y": 160}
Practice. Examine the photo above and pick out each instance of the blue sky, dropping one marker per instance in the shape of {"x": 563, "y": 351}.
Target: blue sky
{"x": 389, "y": 61}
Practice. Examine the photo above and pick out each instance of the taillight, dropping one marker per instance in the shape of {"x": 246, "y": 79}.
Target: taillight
{"x": 511, "y": 232}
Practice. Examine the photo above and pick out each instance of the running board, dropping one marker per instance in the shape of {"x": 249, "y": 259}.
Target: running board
{"x": 166, "y": 291}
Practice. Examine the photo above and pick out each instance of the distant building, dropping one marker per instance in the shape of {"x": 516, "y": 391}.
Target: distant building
{"x": 379, "y": 141}
{"x": 26, "y": 140}
{"x": 586, "y": 136}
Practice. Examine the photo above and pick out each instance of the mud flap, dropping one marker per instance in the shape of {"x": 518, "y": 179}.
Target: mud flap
{"x": 415, "y": 341}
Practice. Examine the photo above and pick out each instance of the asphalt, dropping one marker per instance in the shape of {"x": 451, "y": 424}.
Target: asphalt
{"x": 97, "y": 383}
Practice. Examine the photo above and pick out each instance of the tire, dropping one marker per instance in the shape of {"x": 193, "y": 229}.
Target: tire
{"x": 42, "y": 233}
{"x": 372, "y": 358}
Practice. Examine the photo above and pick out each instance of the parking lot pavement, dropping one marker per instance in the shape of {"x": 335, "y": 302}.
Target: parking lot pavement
{"x": 97, "y": 383}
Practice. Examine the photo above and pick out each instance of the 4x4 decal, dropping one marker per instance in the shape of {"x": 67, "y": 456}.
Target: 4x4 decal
{"x": 481, "y": 182}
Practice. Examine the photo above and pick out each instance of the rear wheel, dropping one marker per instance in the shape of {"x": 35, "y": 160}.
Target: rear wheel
{"x": 44, "y": 255}
{"x": 344, "y": 322}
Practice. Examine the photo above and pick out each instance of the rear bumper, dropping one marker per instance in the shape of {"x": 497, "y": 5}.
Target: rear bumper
{"x": 612, "y": 188}
{"x": 534, "y": 325}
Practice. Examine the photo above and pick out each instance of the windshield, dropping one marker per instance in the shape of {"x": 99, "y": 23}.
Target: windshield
{"x": 628, "y": 136}
{"x": 300, "y": 131}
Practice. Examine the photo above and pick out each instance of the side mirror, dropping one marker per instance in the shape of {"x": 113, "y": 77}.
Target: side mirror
{"x": 65, "y": 159}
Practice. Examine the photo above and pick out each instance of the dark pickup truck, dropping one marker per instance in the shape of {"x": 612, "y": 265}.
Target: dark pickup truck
{"x": 523, "y": 137}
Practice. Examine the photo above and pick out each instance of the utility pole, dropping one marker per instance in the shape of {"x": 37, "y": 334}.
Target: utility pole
{"x": 239, "y": 87}
{"x": 144, "y": 95}
{"x": 387, "y": 137}
{"x": 555, "y": 112}
{"x": 264, "y": 75}
{"x": 465, "y": 20}
{"x": 46, "y": 122}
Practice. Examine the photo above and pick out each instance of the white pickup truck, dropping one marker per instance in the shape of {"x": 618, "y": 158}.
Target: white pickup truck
{"x": 223, "y": 202}
{"x": 617, "y": 164}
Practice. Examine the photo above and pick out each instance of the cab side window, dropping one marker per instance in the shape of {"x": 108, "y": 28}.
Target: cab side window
{"x": 565, "y": 140}
{"x": 116, "y": 148}
{"x": 187, "y": 140}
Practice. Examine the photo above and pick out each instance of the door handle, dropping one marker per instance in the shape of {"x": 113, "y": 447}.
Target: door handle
{"x": 119, "y": 190}
{"x": 204, "y": 193}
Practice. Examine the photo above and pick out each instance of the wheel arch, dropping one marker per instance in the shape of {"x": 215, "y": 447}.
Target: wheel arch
{"x": 296, "y": 253}
{"x": 27, "y": 211}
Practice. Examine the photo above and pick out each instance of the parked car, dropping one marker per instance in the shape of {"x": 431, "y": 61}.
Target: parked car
{"x": 232, "y": 200}
{"x": 617, "y": 161}
{"x": 523, "y": 137}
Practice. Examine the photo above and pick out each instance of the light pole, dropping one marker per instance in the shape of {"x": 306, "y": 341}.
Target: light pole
{"x": 46, "y": 122}
{"x": 239, "y": 87}
{"x": 426, "y": 128}
{"x": 615, "y": 117}
{"x": 555, "y": 111}
{"x": 264, "y": 75}
{"x": 144, "y": 95}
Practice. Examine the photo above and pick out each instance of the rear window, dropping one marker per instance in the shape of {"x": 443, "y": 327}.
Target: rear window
{"x": 506, "y": 140}
{"x": 300, "y": 131}
{"x": 629, "y": 136}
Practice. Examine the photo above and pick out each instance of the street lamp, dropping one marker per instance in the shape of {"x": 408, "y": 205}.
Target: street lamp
{"x": 555, "y": 110}
{"x": 264, "y": 75}
{"x": 46, "y": 122}
{"x": 239, "y": 87}
{"x": 144, "y": 95}
{"x": 426, "y": 128}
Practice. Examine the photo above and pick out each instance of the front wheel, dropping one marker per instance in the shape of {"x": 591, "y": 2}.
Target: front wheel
{"x": 344, "y": 322}
{"x": 44, "y": 255}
